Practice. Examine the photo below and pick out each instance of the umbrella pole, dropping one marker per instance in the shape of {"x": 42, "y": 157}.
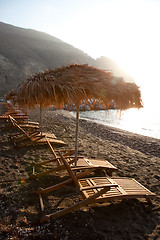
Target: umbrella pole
{"x": 76, "y": 137}
{"x": 40, "y": 110}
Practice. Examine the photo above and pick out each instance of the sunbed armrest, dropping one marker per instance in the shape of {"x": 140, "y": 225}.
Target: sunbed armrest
{"x": 98, "y": 186}
{"x": 81, "y": 168}
{"x": 33, "y": 123}
{"x": 85, "y": 170}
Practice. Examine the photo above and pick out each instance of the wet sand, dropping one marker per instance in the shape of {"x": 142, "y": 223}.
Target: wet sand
{"x": 134, "y": 155}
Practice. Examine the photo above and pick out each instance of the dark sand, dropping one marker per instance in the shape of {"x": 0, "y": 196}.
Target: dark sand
{"x": 134, "y": 155}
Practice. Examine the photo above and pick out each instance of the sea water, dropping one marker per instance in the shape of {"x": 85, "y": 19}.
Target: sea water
{"x": 145, "y": 121}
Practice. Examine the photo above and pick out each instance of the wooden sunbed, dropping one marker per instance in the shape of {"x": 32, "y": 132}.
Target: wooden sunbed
{"x": 26, "y": 125}
{"x": 16, "y": 113}
{"x": 17, "y": 117}
{"x": 100, "y": 189}
{"x": 16, "y": 109}
{"x": 34, "y": 138}
{"x": 31, "y": 137}
{"x": 82, "y": 163}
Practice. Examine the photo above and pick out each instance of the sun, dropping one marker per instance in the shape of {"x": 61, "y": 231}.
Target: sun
{"x": 127, "y": 33}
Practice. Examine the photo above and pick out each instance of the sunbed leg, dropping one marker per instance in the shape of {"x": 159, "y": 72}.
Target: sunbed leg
{"x": 109, "y": 171}
{"x": 44, "y": 219}
{"x": 148, "y": 200}
{"x": 75, "y": 206}
{"x": 41, "y": 202}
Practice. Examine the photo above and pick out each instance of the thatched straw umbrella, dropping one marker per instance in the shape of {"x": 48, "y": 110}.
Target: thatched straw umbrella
{"x": 11, "y": 95}
{"x": 75, "y": 84}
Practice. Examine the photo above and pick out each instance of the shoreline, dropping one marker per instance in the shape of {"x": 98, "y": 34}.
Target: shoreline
{"x": 114, "y": 134}
{"x": 121, "y": 129}
{"x": 144, "y": 131}
{"x": 134, "y": 155}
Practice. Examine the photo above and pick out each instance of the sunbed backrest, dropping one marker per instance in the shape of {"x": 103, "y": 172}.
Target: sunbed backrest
{"x": 12, "y": 119}
{"x": 73, "y": 177}
{"x": 53, "y": 151}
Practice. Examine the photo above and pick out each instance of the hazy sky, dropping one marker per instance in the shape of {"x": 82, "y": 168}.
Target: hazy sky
{"x": 127, "y": 31}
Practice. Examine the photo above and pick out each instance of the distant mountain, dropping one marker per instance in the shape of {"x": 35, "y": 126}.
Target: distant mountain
{"x": 107, "y": 63}
{"x": 24, "y": 52}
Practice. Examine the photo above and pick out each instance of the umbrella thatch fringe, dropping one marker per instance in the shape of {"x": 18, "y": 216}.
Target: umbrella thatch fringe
{"x": 77, "y": 83}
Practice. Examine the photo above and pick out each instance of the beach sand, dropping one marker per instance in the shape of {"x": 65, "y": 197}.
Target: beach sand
{"x": 134, "y": 155}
